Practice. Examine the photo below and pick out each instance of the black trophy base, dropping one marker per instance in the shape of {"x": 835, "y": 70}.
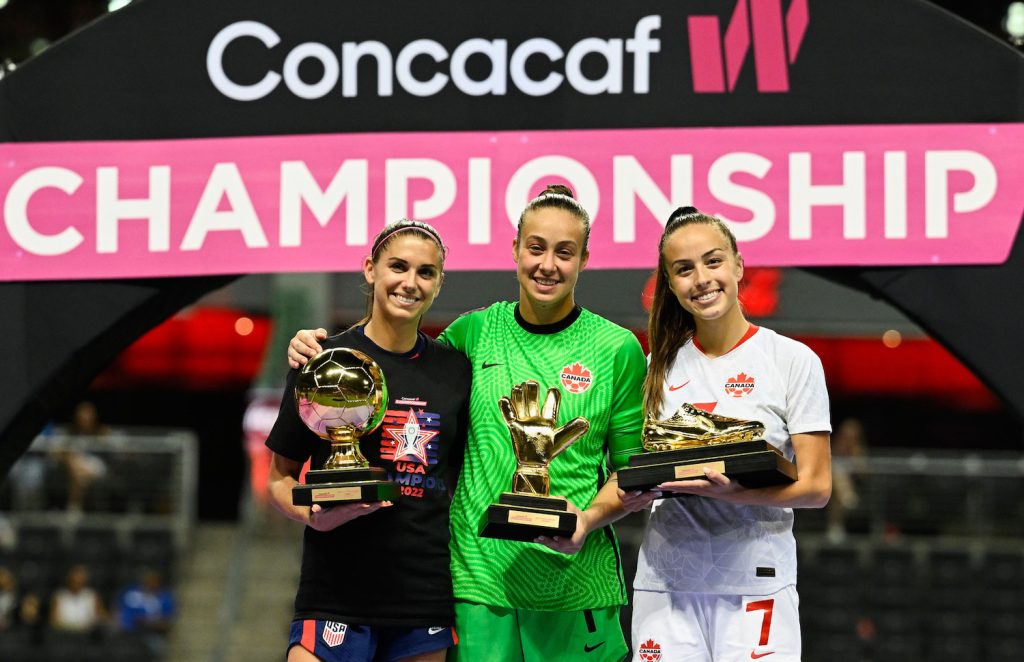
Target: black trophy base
{"x": 750, "y": 463}
{"x": 523, "y": 517}
{"x": 331, "y": 487}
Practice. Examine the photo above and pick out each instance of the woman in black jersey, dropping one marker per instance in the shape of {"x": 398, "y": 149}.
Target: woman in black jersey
{"x": 375, "y": 581}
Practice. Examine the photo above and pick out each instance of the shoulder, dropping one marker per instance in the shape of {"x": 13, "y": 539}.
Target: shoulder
{"x": 466, "y": 330}
{"x": 343, "y": 339}
{"x": 790, "y": 357}
{"x": 353, "y": 339}
{"x": 609, "y": 330}
{"x": 478, "y": 316}
{"x": 446, "y": 352}
{"x": 606, "y": 336}
{"x": 784, "y": 345}
{"x": 496, "y": 309}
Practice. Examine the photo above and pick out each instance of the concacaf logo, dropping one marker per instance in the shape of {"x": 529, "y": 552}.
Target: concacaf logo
{"x": 576, "y": 378}
{"x": 649, "y": 651}
{"x": 740, "y": 385}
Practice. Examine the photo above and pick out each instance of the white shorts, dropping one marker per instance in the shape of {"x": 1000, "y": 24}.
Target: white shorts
{"x": 705, "y": 627}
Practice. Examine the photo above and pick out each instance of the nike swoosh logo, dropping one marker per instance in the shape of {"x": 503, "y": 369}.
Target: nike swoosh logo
{"x": 676, "y": 388}
{"x": 754, "y": 656}
{"x": 434, "y": 630}
{"x": 591, "y": 649}
{"x": 487, "y": 365}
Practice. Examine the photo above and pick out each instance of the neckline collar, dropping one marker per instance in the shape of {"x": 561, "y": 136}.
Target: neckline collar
{"x": 546, "y": 329}
{"x": 751, "y": 330}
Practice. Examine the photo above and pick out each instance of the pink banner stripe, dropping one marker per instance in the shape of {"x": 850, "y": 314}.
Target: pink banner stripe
{"x": 795, "y": 196}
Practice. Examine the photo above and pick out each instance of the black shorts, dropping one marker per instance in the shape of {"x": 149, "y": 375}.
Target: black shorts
{"x": 331, "y": 641}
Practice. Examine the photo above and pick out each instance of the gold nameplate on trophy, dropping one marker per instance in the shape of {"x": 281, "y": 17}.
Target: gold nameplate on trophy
{"x": 697, "y": 470}
{"x": 528, "y": 511}
{"x": 335, "y": 495}
{"x": 534, "y": 519}
{"x": 341, "y": 395}
{"x": 681, "y": 446}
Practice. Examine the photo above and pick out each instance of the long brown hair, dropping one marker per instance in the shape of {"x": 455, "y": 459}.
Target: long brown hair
{"x": 558, "y": 196}
{"x": 386, "y": 237}
{"x": 669, "y": 325}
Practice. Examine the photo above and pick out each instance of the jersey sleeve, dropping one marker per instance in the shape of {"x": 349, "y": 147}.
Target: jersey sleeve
{"x": 290, "y": 437}
{"x": 456, "y": 335}
{"x": 627, "y": 404}
{"x": 807, "y": 407}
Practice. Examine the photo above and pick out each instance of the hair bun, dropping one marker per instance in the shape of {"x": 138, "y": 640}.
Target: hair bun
{"x": 559, "y": 189}
{"x": 685, "y": 211}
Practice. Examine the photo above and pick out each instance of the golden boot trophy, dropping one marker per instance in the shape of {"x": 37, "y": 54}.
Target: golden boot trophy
{"x": 341, "y": 395}
{"x": 528, "y": 511}
{"x": 681, "y": 446}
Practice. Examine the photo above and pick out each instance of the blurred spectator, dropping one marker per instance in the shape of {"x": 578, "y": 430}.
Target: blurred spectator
{"x": 19, "y": 613}
{"x": 85, "y": 422}
{"x": 146, "y": 606}
{"x": 849, "y": 449}
{"x": 8, "y": 535}
{"x": 27, "y": 477}
{"x": 30, "y": 616}
{"x": 147, "y": 609}
{"x": 76, "y": 606}
{"x": 256, "y": 424}
{"x": 83, "y": 468}
{"x": 8, "y": 599}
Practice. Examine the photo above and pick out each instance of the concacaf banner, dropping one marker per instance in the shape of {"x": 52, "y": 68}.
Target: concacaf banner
{"x": 275, "y": 136}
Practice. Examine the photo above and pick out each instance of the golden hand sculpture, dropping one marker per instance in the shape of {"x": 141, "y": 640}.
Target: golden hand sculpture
{"x": 536, "y": 437}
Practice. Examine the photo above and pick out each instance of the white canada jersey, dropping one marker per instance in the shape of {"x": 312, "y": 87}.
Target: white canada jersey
{"x": 704, "y": 545}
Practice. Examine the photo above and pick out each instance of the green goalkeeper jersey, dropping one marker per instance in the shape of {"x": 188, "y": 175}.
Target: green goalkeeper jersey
{"x": 599, "y": 368}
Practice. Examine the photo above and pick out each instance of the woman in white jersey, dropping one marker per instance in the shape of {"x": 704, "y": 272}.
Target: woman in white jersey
{"x": 716, "y": 578}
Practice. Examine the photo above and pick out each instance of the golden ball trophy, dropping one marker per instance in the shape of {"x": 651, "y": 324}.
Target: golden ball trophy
{"x": 341, "y": 395}
{"x": 528, "y": 511}
{"x": 681, "y": 446}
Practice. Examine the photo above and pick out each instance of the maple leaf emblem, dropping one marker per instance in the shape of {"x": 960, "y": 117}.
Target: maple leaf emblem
{"x": 649, "y": 651}
{"x": 576, "y": 377}
{"x": 740, "y": 385}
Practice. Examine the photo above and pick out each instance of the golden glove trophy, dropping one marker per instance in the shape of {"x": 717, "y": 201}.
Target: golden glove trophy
{"x": 527, "y": 511}
{"x": 682, "y": 445}
{"x": 341, "y": 395}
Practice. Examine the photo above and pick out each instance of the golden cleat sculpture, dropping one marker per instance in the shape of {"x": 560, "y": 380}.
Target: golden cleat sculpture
{"x": 691, "y": 441}
{"x": 689, "y": 427}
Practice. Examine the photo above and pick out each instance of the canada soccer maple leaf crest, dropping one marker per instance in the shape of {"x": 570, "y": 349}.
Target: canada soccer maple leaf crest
{"x": 740, "y": 385}
{"x": 649, "y": 651}
{"x": 576, "y": 377}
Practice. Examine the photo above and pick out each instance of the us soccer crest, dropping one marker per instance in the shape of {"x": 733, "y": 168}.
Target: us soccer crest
{"x": 334, "y": 633}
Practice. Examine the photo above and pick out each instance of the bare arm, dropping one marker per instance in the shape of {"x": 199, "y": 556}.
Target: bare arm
{"x": 602, "y": 511}
{"x": 304, "y": 346}
{"x": 284, "y": 475}
{"x": 812, "y": 490}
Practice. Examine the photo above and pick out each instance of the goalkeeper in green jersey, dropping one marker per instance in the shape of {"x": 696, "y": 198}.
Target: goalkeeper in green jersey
{"x": 559, "y": 599}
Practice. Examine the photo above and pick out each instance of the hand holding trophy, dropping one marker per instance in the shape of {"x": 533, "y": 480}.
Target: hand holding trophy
{"x": 341, "y": 395}
{"x": 528, "y": 511}
{"x": 681, "y": 446}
